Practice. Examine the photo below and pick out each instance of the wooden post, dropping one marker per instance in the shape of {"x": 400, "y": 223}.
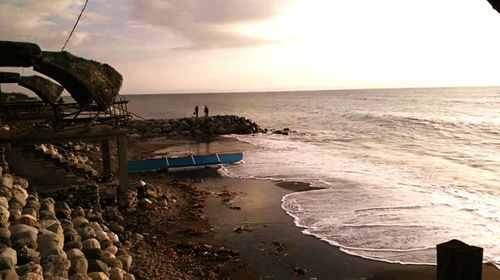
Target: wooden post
{"x": 106, "y": 159}
{"x": 459, "y": 261}
{"x": 122, "y": 163}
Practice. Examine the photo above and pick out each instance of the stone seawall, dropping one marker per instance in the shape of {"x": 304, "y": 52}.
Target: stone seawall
{"x": 193, "y": 127}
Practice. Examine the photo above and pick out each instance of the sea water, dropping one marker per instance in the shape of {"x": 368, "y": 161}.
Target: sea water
{"x": 400, "y": 170}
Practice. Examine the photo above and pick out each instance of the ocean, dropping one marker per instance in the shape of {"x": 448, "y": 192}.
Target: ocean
{"x": 393, "y": 172}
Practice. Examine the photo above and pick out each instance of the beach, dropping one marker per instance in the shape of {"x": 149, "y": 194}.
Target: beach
{"x": 245, "y": 216}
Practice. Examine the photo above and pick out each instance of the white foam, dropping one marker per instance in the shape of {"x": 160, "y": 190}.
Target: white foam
{"x": 387, "y": 206}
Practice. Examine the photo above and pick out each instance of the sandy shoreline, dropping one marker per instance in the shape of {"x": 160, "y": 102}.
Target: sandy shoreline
{"x": 270, "y": 243}
{"x": 244, "y": 216}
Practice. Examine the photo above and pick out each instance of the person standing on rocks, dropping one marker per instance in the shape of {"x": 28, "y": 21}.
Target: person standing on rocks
{"x": 206, "y": 111}
{"x": 196, "y": 111}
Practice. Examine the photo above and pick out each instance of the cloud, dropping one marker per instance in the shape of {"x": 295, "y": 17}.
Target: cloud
{"x": 208, "y": 24}
{"x": 41, "y": 21}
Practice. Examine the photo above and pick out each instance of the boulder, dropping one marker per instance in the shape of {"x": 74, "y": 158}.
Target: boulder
{"x": 57, "y": 229}
{"x": 30, "y": 211}
{"x": 126, "y": 261}
{"x": 22, "y": 182}
{"x": 98, "y": 276}
{"x": 5, "y": 235}
{"x": 24, "y": 235}
{"x": 47, "y": 215}
{"x": 8, "y": 258}
{"x": 48, "y": 204}
{"x": 94, "y": 253}
{"x": 9, "y": 274}
{"x": 71, "y": 235}
{"x": 29, "y": 220}
{"x": 5, "y": 192}
{"x": 129, "y": 276}
{"x": 4, "y": 202}
{"x": 79, "y": 276}
{"x": 4, "y": 216}
{"x": 80, "y": 221}
{"x": 86, "y": 232}
{"x": 73, "y": 245}
{"x": 26, "y": 255}
{"x": 91, "y": 243}
{"x": 97, "y": 266}
{"x": 55, "y": 266}
{"x": 20, "y": 194}
{"x": 7, "y": 181}
{"x": 73, "y": 253}
{"x": 116, "y": 273}
{"x": 32, "y": 276}
{"x": 116, "y": 227}
{"x": 33, "y": 202}
{"x": 49, "y": 244}
{"x": 113, "y": 262}
{"x": 78, "y": 265}
{"x": 112, "y": 249}
{"x": 31, "y": 267}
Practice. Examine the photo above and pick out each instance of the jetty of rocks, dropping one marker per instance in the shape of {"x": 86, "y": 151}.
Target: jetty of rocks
{"x": 193, "y": 127}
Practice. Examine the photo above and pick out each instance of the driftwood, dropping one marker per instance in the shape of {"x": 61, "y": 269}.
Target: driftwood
{"x": 9, "y": 77}
{"x": 85, "y": 80}
{"x": 47, "y": 91}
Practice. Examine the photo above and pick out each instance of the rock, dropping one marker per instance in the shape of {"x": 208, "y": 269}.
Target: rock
{"x": 80, "y": 221}
{"x": 8, "y": 258}
{"x": 15, "y": 209}
{"x": 78, "y": 265}
{"x": 5, "y": 192}
{"x": 112, "y": 262}
{"x": 20, "y": 194}
{"x": 26, "y": 255}
{"x": 86, "y": 232}
{"x": 145, "y": 203}
{"x": 94, "y": 253}
{"x": 44, "y": 224}
{"x": 126, "y": 261}
{"x": 32, "y": 276}
{"x": 22, "y": 182}
{"x": 48, "y": 204}
{"x": 79, "y": 276}
{"x": 73, "y": 253}
{"x": 4, "y": 217}
{"x": 115, "y": 227}
{"x": 31, "y": 267}
{"x": 71, "y": 235}
{"x": 106, "y": 243}
{"x": 91, "y": 243}
{"x": 24, "y": 235}
{"x": 129, "y": 276}
{"x": 49, "y": 244}
{"x": 57, "y": 229}
{"x": 9, "y": 274}
{"x": 55, "y": 266}
{"x": 5, "y": 235}
{"x": 78, "y": 212}
{"x": 113, "y": 237}
{"x": 116, "y": 273}
{"x": 7, "y": 181}
{"x": 73, "y": 245}
{"x": 28, "y": 220}
{"x": 30, "y": 211}
{"x": 128, "y": 199}
{"x": 101, "y": 235}
{"x": 47, "y": 215}
{"x": 97, "y": 266}
{"x": 4, "y": 202}
{"x": 300, "y": 270}
{"x": 98, "y": 276}
{"x": 112, "y": 249}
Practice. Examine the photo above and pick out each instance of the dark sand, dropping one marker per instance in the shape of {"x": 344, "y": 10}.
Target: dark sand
{"x": 270, "y": 243}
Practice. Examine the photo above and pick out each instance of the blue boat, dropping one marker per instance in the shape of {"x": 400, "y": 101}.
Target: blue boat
{"x": 165, "y": 163}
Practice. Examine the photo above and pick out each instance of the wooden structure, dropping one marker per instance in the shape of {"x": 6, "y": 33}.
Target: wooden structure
{"x": 102, "y": 134}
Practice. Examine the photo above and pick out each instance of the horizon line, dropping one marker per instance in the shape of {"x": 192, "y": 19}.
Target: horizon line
{"x": 305, "y": 90}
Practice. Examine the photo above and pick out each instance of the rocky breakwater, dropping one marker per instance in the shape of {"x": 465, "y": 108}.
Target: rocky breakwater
{"x": 42, "y": 238}
{"x": 202, "y": 127}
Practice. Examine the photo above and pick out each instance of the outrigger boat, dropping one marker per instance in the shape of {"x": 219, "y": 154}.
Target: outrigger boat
{"x": 166, "y": 163}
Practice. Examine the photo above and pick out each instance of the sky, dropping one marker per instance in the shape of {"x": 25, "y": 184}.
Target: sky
{"x": 166, "y": 46}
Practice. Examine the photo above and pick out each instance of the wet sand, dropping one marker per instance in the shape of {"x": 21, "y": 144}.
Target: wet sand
{"x": 246, "y": 215}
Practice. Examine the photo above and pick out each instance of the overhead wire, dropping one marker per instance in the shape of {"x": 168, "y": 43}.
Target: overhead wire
{"x": 74, "y": 26}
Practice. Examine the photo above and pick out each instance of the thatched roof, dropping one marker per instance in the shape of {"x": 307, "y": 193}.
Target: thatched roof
{"x": 495, "y": 4}
{"x": 86, "y": 80}
{"x": 18, "y": 54}
{"x": 47, "y": 91}
{"x": 9, "y": 77}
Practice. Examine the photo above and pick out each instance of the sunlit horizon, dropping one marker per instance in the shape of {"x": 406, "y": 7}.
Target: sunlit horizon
{"x": 289, "y": 45}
